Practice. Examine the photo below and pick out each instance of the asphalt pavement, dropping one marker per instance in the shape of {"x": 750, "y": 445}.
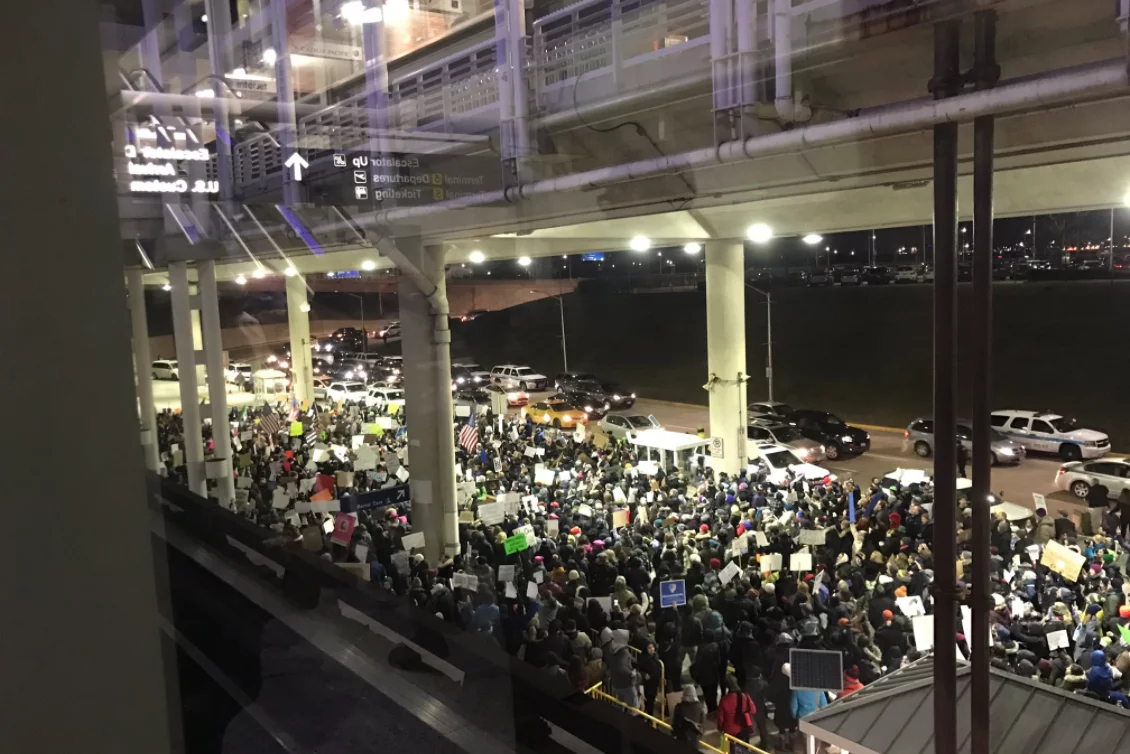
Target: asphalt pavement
{"x": 888, "y": 452}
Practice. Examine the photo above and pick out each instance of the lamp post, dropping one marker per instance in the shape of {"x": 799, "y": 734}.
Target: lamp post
{"x": 364, "y": 330}
{"x": 561, "y": 305}
{"x": 769, "y": 333}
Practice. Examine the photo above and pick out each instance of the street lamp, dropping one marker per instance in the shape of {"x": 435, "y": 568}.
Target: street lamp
{"x": 812, "y": 239}
{"x": 769, "y": 336}
{"x": 759, "y": 233}
{"x": 561, "y": 305}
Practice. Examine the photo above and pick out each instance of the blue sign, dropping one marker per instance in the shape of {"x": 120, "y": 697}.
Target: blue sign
{"x": 398, "y": 496}
{"x": 851, "y": 506}
{"x": 673, "y": 593}
{"x": 596, "y": 257}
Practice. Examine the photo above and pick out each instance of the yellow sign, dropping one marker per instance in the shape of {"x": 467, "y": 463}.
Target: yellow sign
{"x": 296, "y": 429}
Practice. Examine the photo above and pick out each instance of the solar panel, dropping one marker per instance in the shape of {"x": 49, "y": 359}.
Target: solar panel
{"x": 816, "y": 670}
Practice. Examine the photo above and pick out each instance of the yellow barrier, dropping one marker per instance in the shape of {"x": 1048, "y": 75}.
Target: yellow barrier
{"x": 662, "y": 684}
{"x": 728, "y": 742}
{"x": 656, "y": 723}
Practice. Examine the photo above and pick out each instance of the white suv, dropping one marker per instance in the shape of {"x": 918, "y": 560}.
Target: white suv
{"x": 382, "y": 396}
{"x": 165, "y": 369}
{"x": 510, "y": 376}
{"x": 1051, "y": 433}
{"x": 350, "y": 392}
{"x": 781, "y": 463}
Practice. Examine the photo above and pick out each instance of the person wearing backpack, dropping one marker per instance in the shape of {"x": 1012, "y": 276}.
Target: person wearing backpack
{"x": 736, "y": 712}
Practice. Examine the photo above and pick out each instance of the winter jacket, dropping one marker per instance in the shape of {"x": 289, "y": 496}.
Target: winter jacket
{"x": 804, "y": 703}
{"x": 1100, "y": 679}
{"x": 1045, "y": 530}
{"x": 732, "y": 711}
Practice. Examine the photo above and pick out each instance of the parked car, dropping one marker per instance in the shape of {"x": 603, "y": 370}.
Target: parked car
{"x": 509, "y": 376}
{"x": 768, "y": 409}
{"x": 906, "y": 273}
{"x": 768, "y": 430}
{"x": 1051, "y": 433}
{"x": 926, "y": 273}
{"x": 384, "y": 396}
{"x": 848, "y": 275}
{"x": 878, "y": 275}
{"x": 389, "y": 331}
{"x": 837, "y": 436}
{"x": 321, "y": 386}
{"x": 820, "y": 277}
{"x": 238, "y": 372}
{"x": 555, "y": 413}
{"x": 570, "y": 380}
{"x": 165, "y": 369}
{"x": 350, "y": 392}
{"x": 780, "y": 463}
{"x": 1078, "y": 477}
{"x": 321, "y": 366}
{"x": 622, "y": 427}
{"x": 919, "y": 435}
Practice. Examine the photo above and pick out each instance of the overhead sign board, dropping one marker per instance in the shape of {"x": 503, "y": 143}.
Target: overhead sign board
{"x": 403, "y": 179}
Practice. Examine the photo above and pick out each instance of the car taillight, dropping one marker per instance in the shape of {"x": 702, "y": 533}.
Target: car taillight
{"x": 1062, "y": 469}
{"x": 906, "y": 434}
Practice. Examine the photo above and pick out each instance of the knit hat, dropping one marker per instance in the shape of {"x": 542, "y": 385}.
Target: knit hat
{"x": 1124, "y": 611}
{"x": 888, "y": 615}
{"x": 716, "y": 564}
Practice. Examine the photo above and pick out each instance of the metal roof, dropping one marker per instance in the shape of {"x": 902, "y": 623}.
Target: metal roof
{"x": 895, "y": 715}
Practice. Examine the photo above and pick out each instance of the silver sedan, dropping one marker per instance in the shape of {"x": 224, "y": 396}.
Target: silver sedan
{"x": 809, "y": 451}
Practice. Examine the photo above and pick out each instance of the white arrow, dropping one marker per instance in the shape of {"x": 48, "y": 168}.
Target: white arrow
{"x": 296, "y": 162}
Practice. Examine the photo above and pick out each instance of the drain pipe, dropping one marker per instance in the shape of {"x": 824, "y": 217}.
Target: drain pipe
{"x": 783, "y": 57}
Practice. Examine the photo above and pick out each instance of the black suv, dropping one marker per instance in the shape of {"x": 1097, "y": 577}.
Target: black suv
{"x": 586, "y": 389}
{"x": 348, "y": 339}
{"x": 838, "y": 437}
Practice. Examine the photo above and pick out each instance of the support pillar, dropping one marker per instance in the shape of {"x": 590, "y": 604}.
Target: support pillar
{"x": 986, "y": 73}
{"x": 301, "y": 358}
{"x": 725, "y": 352}
{"x": 946, "y": 83}
{"x": 425, "y": 343}
{"x": 186, "y": 368}
{"x": 82, "y": 667}
{"x": 143, "y": 366}
{"x": 219, "y": 467}
{"x": 288, "y": 121}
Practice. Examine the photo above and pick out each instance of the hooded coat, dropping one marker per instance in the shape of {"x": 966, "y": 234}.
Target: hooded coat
{"x": 1100, "y": 678}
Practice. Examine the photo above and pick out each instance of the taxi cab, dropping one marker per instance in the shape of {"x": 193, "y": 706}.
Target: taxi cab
{"x": 555, "y": 413}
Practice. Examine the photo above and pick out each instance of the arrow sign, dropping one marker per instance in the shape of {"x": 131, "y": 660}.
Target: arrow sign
{"x": 296, "y": 163}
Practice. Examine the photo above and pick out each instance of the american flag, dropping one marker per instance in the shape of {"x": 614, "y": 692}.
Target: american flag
{"x": 269, "y": 422}
{"x": 469, "y": 435}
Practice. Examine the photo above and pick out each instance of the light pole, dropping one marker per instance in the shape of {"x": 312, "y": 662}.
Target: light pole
{"x": 561, "y": 305}
{"x": 364, "y": 330}
{"x": 769, "y": 334}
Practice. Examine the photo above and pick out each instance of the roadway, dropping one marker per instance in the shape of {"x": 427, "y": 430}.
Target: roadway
{"x": 1013, "y": 483}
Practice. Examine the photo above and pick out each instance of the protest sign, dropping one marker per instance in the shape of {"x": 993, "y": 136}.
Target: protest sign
{"x": 923, "y": 632}
{"x": 344, "y": 525}
{"x": 516, "y": 543}
{"x": 506, "y": 573}
{"x": 465, "y": 581}
{"x": 800, "y": 561}
{"x": 814, "y": 537}
{"x": 731, "y": 570}
{"x": 531, "y": 590}
{"x": 1058, "y": 640}
{"x": 772, "y": 562}
{"x": 492, "y": 513}
{"x": 279, "y": 499}
{"x": 414, "y": 541}
{"x": 911, "y": 606}
{"x": 1062, "y": 560}
{"x": 619, "y": 518}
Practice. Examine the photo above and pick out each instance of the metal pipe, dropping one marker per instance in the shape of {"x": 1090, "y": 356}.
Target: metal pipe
{"x": 1104, "y": 79}
{"x": 783, "y": 58}
{"x": 769, "y": 334}
{"x": 561, "y": 304}
{"x": 745, "y": 12}
{"x": 985, "y": 68}
{"x": 946, "y": 83}
{"x": 288, "y": 120}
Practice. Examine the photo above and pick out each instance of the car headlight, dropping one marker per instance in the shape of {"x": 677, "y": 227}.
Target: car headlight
{"x": 512, "y": 396}
{"x": 633, "y": 396}
{"x": 845, "y": 438}
{"x": 1006, "y": 451}
{"x": 588, "y": 409}
{"x": 1091, "y": 444}
{"x": 460, "y": 380}
{"x": 615, "y": 397}
{"x": 284, "y": 364}
{"x": 478, "y": 379}
{"x": 607, "y": 406}
{"x": 545, "y": 418}
{"x": 566, "y": 418}
{"x": 823, "y": 449}
{"x": 272, "y": 359}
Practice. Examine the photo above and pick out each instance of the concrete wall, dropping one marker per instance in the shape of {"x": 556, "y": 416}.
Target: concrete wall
{"x": 463, "y": 295}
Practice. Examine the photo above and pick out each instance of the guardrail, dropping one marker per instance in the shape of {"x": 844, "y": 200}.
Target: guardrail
{"x": 607, "y": 35}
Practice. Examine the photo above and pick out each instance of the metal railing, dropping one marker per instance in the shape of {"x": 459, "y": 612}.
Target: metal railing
{"x": 662, "y": 684}
{"x": 610, "y": 34}
{"x": 255, "y": 158}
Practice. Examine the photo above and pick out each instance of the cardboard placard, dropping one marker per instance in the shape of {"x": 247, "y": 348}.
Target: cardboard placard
{"x": 544, "y": 476}
{"x": 413, "y": 541}
{"x": 402, "y": 474}
{"x": 911, "y": 606}
{"x": 650, "y": 468}
{"x": 279, "y": 499}
{"x": 771, "y": 563}
{"x": 800, "y": 561}
{"x": 923, "y": 632}
{"x": 343, "y": 478}
{"x": 343, "y": 526}
{"x": 362, "y": 553}
{"x": 731, "y": 570}
{"x": 584, "y": 509}
{"x": 619, "y": 518}
{"x": 1062, "y": 560}
{"x": 531, "y": 590}
{"x": 511, "y": 592}
{"x": 528, "y": 452}
{"x": 506, "y": 572}
{"x": 812, "y": 537}
{"x": 1058, "y": 640}
{"x": 552, "y": 527}
{"x": 492, "y": 513}
{"x": 296, "y": 429}
{"x": 465, "y": 581}
{"x": 618, "y": 495}
{"x": 516, "y": 543}
{"x": 762, "y": 540}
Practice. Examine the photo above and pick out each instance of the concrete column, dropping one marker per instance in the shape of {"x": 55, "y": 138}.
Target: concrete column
{"x": 82, "y": 667}
{"x": 287, "y": 133}
{"x": 725, "y": 352}
{"x": 301, "y": 358}
{"x": 220, "y": 466}
{"x": 428, "y": 409}
{"x": 186, "y": 368}
{"x": 142, "y": 364}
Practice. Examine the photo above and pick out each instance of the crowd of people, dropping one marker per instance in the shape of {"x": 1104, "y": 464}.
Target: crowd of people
{"x": 565, "y": 538}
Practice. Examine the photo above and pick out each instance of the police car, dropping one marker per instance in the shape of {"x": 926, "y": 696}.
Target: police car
{"x": 1051, "y": 433}
{"x": 780, "y": 464}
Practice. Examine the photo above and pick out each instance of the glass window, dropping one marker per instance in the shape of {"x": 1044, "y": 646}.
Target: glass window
{"x": 998, "y": 420}
{"x": 1018, "y": 422}
{"x": 1042, "y": 426}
